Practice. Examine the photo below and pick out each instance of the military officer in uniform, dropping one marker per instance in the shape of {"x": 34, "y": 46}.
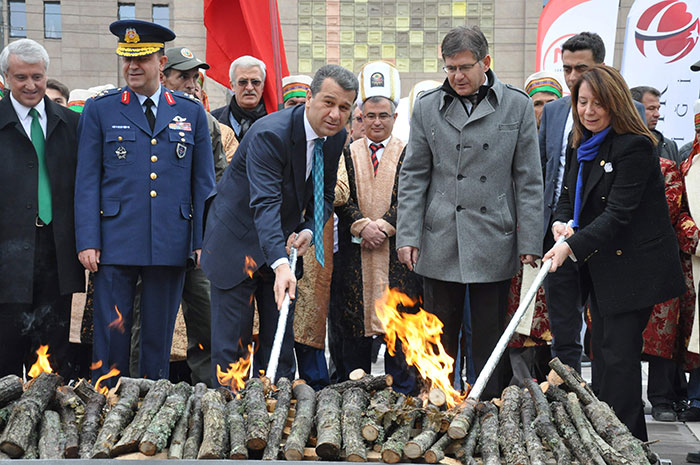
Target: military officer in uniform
{"x": 145, "y": 167}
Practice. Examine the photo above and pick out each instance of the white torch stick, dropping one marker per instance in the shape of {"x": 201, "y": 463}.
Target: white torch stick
{"x": 281, "y": 324}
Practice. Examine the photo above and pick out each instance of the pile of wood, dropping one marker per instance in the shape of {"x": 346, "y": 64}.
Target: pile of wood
{"x": 358, "y": 420}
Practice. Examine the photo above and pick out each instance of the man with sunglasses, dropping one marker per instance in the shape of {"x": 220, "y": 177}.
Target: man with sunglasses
{"x": 247, "y": 75}
{"x": 470, "y": 196}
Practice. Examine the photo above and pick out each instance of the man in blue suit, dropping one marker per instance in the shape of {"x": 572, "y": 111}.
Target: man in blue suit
{"x": 145, "y": 168}
{"x": 564, "y": 307}
{"x": 278, "y": 189}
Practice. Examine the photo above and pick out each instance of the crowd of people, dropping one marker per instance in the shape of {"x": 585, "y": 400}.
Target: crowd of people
{"x": 168, "y": 205}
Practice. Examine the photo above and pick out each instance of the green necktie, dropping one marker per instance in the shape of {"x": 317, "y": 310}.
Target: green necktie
{"x": 44, "y": 190}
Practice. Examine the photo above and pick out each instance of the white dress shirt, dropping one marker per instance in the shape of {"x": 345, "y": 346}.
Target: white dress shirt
{"x": 562, "y": 157}
{"x": 155, "y": 97}
{"x": 380, "y": 152}
{"x": 25, "y": 118}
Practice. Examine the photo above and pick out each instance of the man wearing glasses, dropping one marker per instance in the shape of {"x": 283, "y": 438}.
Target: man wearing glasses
{"x": 247, "y": 75}
{"x": 470, "y": 196}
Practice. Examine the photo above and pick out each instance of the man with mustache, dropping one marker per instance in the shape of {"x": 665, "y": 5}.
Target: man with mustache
{"x": 145, "y": 167}
{"x": 247, "y": 75}
{"x": 277, "y": 192}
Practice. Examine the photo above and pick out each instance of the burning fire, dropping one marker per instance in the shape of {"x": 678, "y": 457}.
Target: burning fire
{"x": 117, "y": 324}
{"x": 201, "y": 347}
{"x": 236, "y": 373}
{"x": 419, "y": 334}
{"x": 249, "y": 266}
{"x": 110, "y": 374}
{"x": 42, "y": 362}
{"x": 95, "y": 365}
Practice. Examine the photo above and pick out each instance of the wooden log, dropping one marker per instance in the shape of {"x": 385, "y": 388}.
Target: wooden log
{"x": 328, "y": 428}
{"x": 393, "y": 417}
{"x": 11, "y": 388}
{"x": 215, "y": 438}
{"x": 132, "y": 434}
{"x": 510, "y": 436}
{"x": 368, "y": 382}
{"x": 156, "y": 436}
{"x": 143, "y": 384}
{"x": 354, "y": 405}
{"x": 554, "y": 393}
{"x": 357, "y": 374}
{"x": 609, "y": 454}
{"x": 257, "y": 419}
{"x": 69, "y": 405}
{"x": 463, "y": 419}
{"x": 51, "y": 440}
{"x": 437, "y": 397}
{"x": 380, "y": 404}
{"x": 303, "y": 422}
{"x": 568, "y": 432}
{"x": 466, "y": 453}
{"x": 179, "y": 436}
{"x": 533, "y": 444}
{"x": 196, "y": 425}
{"x": 578, "y": 418}
{"x": 613, "y": 431}
{"x": 32, "y": 450}
{"x": 392, "y": 449}
{"x": 437, "y": 451}
{"x": 27, "y": 414}
{"x": 544, "y": 426}
{"x": 90, "y": 426}
{"x": 488, "y": 419}
{"x": 236, "y": 426}
{"x": 573, "y": 381}
{"x": 5, "y": 413}
{"x": 279, "y": 419}
{"x": 432, "y": 421}
{"x": 118, "y": 418}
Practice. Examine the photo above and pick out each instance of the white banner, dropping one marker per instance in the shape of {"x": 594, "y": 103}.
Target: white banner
{"x": 661, "y": 42}
{"x": 561, "y": 19}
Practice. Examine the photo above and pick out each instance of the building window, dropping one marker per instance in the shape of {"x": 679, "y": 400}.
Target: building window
{"x": 52, "y": 20}
{"x": 18, "y": 18}
{"x": 127, "y": 11}
{"x": 161, "y": 15}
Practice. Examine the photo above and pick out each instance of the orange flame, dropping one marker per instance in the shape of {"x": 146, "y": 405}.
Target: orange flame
{"x": 117, "y": 324}
{"x": 236, "y": 373}
{"x": 249, "y": 266}
{"x": 201, "y": 347}
{"x": 42, "y": 362}
{"x": 419, "y": 334}
{"x": 110, "y": 374}
{"x": 95, "y": 365}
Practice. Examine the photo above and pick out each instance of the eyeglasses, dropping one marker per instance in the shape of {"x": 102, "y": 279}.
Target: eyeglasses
{"x": 358, "y": 119}
{"x": 380, "y": 116}
{"x": 462, "y": 68}
{"x": 253, "y": 82}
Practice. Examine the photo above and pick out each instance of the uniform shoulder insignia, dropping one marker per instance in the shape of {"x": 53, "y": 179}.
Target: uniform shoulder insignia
{"x": 184, "y": 95}
{"x": 107, "y": 92}
{"x": 512, "y": 87}
{"x": 428, "y": 92}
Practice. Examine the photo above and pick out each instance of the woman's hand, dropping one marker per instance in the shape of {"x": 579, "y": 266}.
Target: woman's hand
{"x": 559, "y": 253}
{"x": 561, "y": 229}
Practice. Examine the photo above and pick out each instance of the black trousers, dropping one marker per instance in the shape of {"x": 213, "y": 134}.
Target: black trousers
{"x": 617, "y": 356}
{"x": 488, "y": 304}
{"x": 666, "y": 383}
{"x": 44, "y": 321}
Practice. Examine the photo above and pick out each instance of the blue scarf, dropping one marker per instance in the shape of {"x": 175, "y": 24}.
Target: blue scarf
{"x": 587, "y": 151}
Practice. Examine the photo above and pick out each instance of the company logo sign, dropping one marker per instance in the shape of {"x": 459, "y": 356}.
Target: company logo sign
{"x": 667, "y": 31}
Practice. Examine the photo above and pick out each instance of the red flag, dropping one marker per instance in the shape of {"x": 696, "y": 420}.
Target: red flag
{"x": 244, "y": 27}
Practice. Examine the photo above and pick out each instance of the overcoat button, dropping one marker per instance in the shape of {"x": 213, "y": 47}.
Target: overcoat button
{"x": 486, "y": 146}
{"x": 618, "y": 252}
{"x": 460, "y": 208}
{"x": 460, "y": 177}
{"x": 482, "y": 179}
{"x": 482, "y": 209}
{"x": 458, "y": 146}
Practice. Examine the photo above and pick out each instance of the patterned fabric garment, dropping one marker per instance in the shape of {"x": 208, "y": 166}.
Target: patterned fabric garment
{"x": 540, "y": 333}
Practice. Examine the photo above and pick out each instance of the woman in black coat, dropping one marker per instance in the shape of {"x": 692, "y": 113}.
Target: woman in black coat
{"x": 621, "y": 238}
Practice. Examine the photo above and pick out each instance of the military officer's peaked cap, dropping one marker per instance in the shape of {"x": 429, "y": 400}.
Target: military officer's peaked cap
{"x": 182, "y": 59}
{"x": 139, "y": 38}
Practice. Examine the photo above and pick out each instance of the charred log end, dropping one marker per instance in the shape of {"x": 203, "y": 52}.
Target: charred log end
{"x": 10, "y": 448}
{"x": 123, "y": 449}
{"x": 355, "y": 458}
{"x": 370, "y": 432}
{"x": 256, "y": 444}
{"x": 389, "y": 456}
{"x": 412, "y": 450}
{"x": 293, "y": 455}
{"x": 147, "y": 448}
{"x": 100, "y": 455}
{"x": 328, "y": 451}
{"x": 72, "y": 452}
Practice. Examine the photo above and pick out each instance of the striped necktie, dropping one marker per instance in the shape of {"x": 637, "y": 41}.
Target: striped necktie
{"x": 317, "y": 172}
{"x": 375, "y": 161}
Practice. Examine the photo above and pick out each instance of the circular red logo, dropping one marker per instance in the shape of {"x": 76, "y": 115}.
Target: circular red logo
{"x": 667, "y": 31}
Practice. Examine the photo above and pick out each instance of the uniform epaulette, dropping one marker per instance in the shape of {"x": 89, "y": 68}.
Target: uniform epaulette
{"x": 428, "y": 92}
{"x": 107, "y": 92}
{"x": 512, "y": 87}
{"x": 184, "y": 95}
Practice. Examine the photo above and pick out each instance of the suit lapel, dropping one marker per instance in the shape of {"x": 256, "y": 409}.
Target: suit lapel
{"x": 298, "y": 154}
{"x": 482, "y": 110}
{"x": 52, "y": 118}
{"x": 8, "y": 116}
{"x": 166, "y": 113}
{"x": 597, "y": 169}
{"x": 455, "y": 114}
{"x": 134, "y": 113}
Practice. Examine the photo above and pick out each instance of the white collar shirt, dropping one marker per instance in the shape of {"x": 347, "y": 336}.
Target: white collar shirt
{"x": 26, "y": 119}
{"x": 155, "y": 97}
{"x": 311, "y": 137}
{"x": 380, "y": 152}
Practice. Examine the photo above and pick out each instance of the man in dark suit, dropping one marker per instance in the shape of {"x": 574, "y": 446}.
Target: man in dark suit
{"x": 145, "y": 167}
{"x": 39, "y": 269}
{"x": 279, "y": 187}
{"x": 579, "y": 53}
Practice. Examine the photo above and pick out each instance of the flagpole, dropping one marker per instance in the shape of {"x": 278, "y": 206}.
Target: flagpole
{"x": 275, "y": 33}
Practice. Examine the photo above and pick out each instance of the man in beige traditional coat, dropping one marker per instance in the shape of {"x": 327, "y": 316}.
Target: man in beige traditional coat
{"x": 366, "y": 262}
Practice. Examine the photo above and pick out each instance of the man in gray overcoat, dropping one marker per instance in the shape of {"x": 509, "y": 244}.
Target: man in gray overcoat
{"x": 470, "y": 196}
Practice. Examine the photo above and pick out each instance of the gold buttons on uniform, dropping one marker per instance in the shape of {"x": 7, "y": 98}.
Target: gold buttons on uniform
{"x": 154, "y": 159}
{"x": 153, "y": 193}
{"x": 602, "y": 162}
{"x": 154, "y": 175}
{"x": 618, "y": 252}
{"x": 182, "y": 139}
{"x": 120, "y": 138}
{"x": 181, "y": 134}
{"x": 101, "y": 212}
{"x": 154, "y": 142}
